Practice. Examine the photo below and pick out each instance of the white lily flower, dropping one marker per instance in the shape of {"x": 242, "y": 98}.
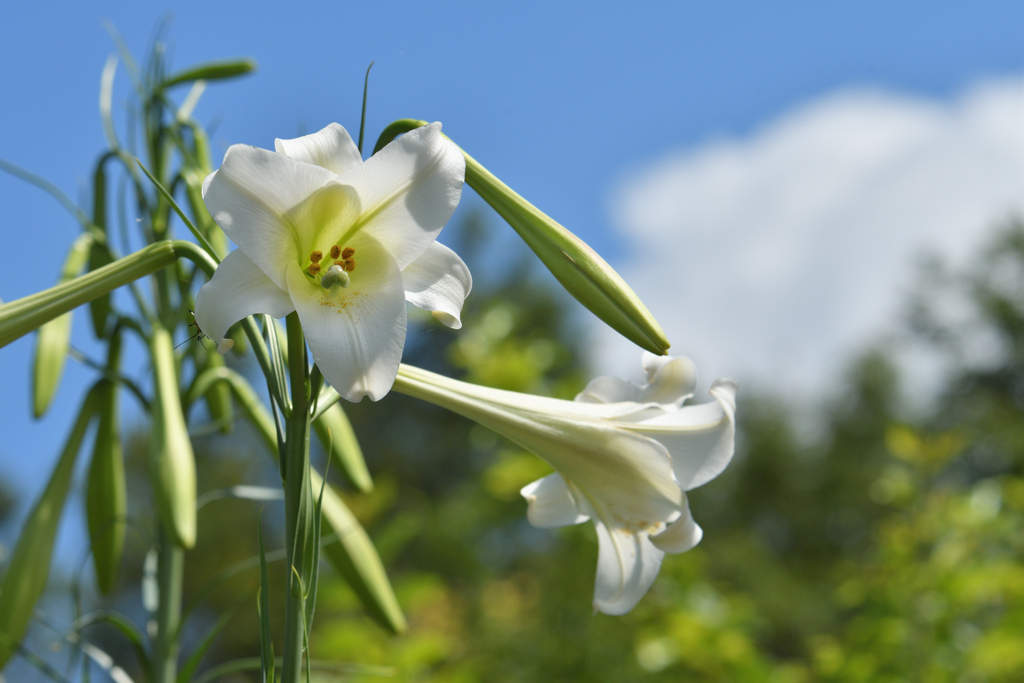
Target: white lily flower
{"x": 342, "y": 242}
{"x": 625, "y": 456}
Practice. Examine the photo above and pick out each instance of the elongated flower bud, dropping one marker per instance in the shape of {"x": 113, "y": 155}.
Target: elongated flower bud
{"x": 106, "y": 496}
{"x": 19, "y": 317}
{"x": 54, "y": 337}
{"x": 172, "y": 463}
{"x": 577, "y": 267}
{"x": 29, "y": 566}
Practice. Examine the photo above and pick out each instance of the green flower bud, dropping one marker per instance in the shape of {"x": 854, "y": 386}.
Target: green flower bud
{"x": 172, "y": 463}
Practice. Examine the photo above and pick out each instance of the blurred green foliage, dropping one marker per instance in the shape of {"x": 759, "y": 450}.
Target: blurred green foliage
{"x": 874, "y": 540}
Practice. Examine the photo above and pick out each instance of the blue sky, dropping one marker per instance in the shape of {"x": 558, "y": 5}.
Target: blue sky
{"x": 561, "y": 100}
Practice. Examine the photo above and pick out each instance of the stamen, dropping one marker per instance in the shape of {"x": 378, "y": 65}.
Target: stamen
{"x": 350, "y": 264}
{"x": 313, "y": 269}
{"x": 347, "y": 252}
{"x": 335, "y": 251}
{"x": 334, "y": 276}
{"x": 316, "y": 256}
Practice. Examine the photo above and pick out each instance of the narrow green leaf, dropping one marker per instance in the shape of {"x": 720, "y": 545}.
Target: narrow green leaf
{"x": 362, "y": 118}
{"x": 263, "y": 607}
{"x": 355, "y": 558}
{"x": 577, "y": 267}
{"x": 335, "y": 432}
{"x": 48, "y": 187}
{"x": 172, "y": 463}
{"x": 212, "y": 71}
{"x": 106, "y": 99}
{"x": 200, "y": 237}
{"x": 29, "y": 565}
{"x": 54, "y": 337}
{"x": 188, "y": 670}
{"x": 125, "y": 627}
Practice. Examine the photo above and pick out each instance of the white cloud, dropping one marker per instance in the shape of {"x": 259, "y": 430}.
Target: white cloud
{"x": 771, "y": 258}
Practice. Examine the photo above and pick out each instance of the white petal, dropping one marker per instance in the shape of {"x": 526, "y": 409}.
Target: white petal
{"x": 355, "y": 334}
{"x": 609, "y": 390}
{"x": 249, "y": 196}
{"x": 671, "y": 380}
{"x": 331, "y": 148}
{"x": 627, "y": 564}
{"x": 438, "y": 281}
{"x": 407, "y": 192}
{"x": 550, "y": 504}
{"x": 238, "y": 288}
{"x": 681, "y": 535}
{"x": 701, "y": 439}
{"x": 652, "y": 363}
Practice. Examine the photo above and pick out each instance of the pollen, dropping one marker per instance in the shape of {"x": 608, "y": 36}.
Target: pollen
{"x": 350, "y": 265}
{"x": 347, "y": 252}
{"x": 316, "y": 256}
{"x": 313, "y": 269}
{"x": 335, "y": 251}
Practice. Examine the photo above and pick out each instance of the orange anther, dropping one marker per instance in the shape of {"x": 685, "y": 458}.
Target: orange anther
{"x": 347, "y": 252}
{"x": 335, "y": 251}
{"x": 316, "y": 256}
{"x": 313, "y": 269}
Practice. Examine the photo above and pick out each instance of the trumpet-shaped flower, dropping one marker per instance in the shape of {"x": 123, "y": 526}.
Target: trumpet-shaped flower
{"x": 342, "y": 242}
{"x": 624, "y": 455}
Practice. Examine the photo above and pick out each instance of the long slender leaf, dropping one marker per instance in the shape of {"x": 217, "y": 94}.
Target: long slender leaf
{"x": 200, "y": 237}
{"x": 195, "y": 659}
{"x": 338, "y": 438}
{"x": 263, "y": 604}
{"x": 29, "y": 565}
{"x": 125, "y": 627}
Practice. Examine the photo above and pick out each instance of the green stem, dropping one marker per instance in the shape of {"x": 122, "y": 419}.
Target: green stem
{"x": 170, "y": 571}
{"x": 297, "y": 500}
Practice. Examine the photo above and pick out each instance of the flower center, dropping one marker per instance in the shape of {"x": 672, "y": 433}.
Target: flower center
{"x": 337, "y": 273}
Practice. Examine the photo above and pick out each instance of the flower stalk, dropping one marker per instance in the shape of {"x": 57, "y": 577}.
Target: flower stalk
{"x": 298, "y": 502}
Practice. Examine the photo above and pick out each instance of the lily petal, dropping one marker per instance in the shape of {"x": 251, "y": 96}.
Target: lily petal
{"x": 249, "y": 196}
{"x": 355, "y": 334}
{"x": 407, "y": 192}
{"x": 238, "y": 288}
{"x": 438, "y": 281}
{"x": 609, "y": 390}
{"x": 701, "y": 439}
{"x": 627, "y": 564}
{"x": 331, "y": 148}
{"x": 671, "y": 380}
{"x": 681, "y": 535}
{"x": 550, "y": 503}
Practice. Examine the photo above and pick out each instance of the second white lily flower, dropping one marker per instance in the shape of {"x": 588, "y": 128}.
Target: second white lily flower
{"x": 342, "y": 242}
{"x": 625, "y": 457}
